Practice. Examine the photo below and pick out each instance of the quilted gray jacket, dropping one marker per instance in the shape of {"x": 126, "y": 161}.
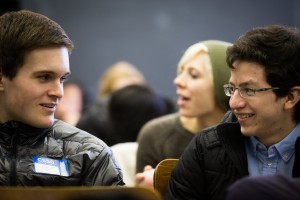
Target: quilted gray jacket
{"x": 61, "y": 155}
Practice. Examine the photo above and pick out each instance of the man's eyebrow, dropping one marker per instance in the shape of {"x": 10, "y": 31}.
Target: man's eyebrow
{"x": 67, "y": 74}
{"x": 246, "y": 83}
{"x": 49, "y": 72}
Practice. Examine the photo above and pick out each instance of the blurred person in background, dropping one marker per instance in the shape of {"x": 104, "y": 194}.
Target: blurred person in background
{"x": 95, "y": 118}
{"x": 72, "y": 104}
{"x": 119, "y": 75}
{"x": 272, "y": 187}
{"x": 202, "y": 71}
{"x": 129, "y": 108}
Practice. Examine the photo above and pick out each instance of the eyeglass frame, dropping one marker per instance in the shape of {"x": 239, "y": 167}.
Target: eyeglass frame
{"x": 243, "y": 91}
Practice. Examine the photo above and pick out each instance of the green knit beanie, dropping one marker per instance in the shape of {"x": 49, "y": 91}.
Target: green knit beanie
{"x": 220, "y": 70}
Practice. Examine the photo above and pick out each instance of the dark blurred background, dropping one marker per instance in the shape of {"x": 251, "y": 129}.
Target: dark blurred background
{"x": 151, "y": 34}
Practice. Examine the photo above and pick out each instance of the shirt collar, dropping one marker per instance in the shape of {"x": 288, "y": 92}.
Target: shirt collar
{"x": 285, "y": 147}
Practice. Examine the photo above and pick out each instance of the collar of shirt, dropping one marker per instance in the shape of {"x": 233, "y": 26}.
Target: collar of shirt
{"x": 285, "y": 147}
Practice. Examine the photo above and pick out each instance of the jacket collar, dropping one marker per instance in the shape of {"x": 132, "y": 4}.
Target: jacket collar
{"x": 229, "y": 117}
{"x": 23, "y": 133}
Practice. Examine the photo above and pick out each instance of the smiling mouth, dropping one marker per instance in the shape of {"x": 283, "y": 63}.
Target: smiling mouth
{"x": 243, "y": 116}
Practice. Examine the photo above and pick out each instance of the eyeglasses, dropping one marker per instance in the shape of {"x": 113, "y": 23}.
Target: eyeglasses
{"x": 244, "y": 91}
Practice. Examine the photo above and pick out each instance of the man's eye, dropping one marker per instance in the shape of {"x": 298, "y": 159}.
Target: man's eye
{"x": 44, "y": 77}
{"x": 249, "y": 90}
{"x": 63, "y": 79}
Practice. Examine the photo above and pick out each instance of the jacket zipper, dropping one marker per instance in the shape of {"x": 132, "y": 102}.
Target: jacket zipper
{"x": 13, "y": 167}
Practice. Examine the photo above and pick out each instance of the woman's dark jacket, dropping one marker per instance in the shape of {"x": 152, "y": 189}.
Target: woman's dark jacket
{"x": 214, "y": 159}
{"x": 89, "y": 160}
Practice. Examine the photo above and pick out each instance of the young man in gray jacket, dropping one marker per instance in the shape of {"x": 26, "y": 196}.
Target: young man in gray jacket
{"x": 35, "y": 148}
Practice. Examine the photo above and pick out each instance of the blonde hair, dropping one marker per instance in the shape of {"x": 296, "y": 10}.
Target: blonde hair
{"x": 121, "y": 71}
{"x": 193, "y": 51}
{"x": 217, "y": 65}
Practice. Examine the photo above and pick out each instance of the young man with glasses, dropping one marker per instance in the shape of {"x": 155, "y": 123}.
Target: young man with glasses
{"x": 260, "y": 135}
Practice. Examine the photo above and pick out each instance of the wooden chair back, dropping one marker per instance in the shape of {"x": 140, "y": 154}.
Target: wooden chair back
{"x": 162, "y": 174}
{"x": 78, "y": 193}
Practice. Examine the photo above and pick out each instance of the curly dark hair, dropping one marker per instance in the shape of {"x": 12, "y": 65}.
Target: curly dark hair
{"x": 277, "y": 49}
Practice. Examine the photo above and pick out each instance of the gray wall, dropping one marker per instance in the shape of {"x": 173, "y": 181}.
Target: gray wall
{"x": 153, "y": 34}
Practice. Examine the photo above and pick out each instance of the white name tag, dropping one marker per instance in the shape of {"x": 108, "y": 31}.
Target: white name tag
{"x": 50, "y": 166}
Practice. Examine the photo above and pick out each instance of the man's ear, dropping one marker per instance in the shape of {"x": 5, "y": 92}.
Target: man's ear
{"x": 293, "y": 97}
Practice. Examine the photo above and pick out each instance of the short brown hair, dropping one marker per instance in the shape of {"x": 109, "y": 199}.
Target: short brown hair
{"x": 24, "y": 31}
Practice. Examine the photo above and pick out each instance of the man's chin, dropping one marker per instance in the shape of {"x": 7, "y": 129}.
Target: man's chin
{"x": 246, "y": 131}
{"x": 44, "y": 123}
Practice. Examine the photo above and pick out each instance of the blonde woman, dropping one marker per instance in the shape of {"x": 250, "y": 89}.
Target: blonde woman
{"x": 202, "y": 72}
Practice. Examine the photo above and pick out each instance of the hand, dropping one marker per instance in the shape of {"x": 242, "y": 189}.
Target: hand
{"x": 146, "y": 177}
